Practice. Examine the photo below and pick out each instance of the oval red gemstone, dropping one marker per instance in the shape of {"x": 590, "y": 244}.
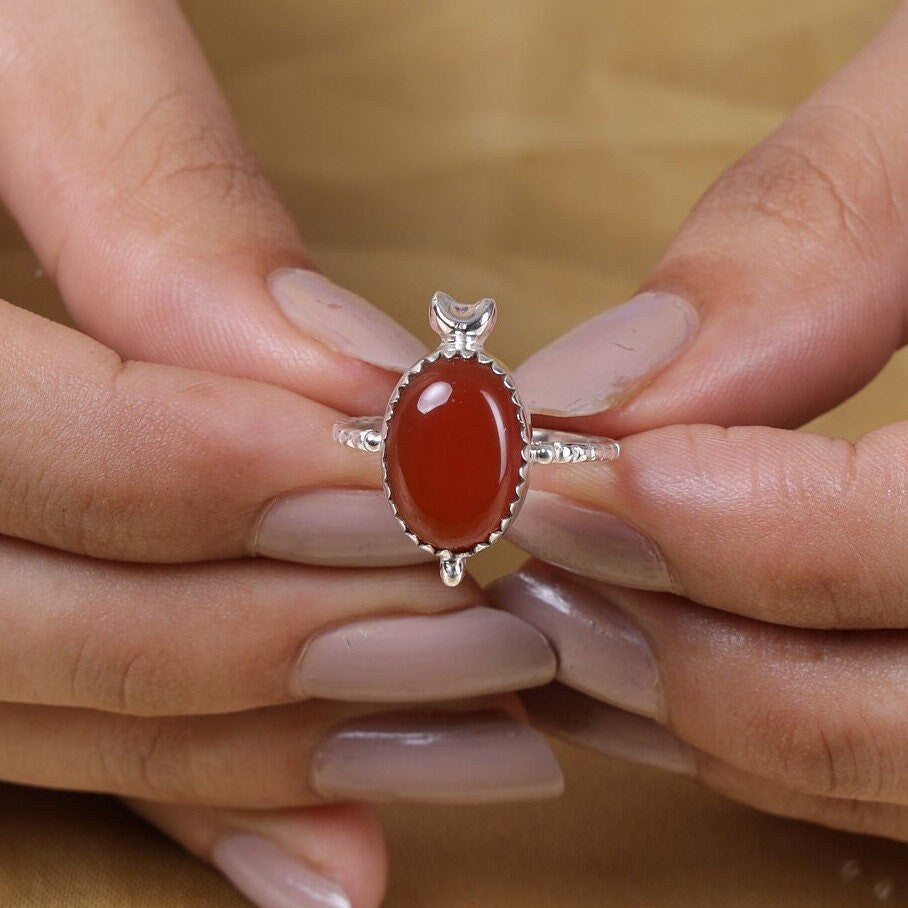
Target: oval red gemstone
{"x": 453, "y": 453}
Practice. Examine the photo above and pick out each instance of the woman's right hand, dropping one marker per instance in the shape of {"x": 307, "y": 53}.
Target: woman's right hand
{"x": 143, "y": 653}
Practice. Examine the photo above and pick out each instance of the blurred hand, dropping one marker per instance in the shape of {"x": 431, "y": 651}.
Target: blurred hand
{"x": 142, "y": 653}
{"x": 770, "y": 656}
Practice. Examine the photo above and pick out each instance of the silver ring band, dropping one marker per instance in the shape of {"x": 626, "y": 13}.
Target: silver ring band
{"x": 364, "y": 433}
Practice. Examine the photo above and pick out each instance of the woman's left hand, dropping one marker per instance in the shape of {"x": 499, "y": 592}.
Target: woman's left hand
{"x": 740, "y": 595}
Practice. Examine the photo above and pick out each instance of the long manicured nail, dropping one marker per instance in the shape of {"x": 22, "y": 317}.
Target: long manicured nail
{"x": 588, "y": 723}
{"x": 446, "y": 758}
{"x": 588, "y": 541}
{"x": 602, "y": 362}
{"x": 425, "y": 657}
{"x": 601, "y": 650}
{"x": 342, "y": 320}
{"x": 271, "y": 877}
{"x": 340, "y": 527}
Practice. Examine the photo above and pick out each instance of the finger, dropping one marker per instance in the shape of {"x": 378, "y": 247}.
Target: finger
{"x": 228, "y": 636}
{"x": 152, "y": 463}
{"x": 283, "y": 756}
{"x": 588, "y": 723}
{"x": 784, "y": 291}
{"x": 332, "y": 856}
{"x": 849, "y": 814}
{"x": 822, "y": 713}
{"x": 782, "y": 526}
{"x": 146, "y": 207}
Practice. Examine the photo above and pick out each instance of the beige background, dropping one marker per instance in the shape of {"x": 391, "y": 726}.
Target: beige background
{"x": 541, "y": 152}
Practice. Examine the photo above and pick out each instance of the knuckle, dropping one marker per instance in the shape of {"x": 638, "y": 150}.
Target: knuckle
{"x": 169, "y": 758}
{"x": 109, "y": 667}
{"x": 833, "y": 572}
{"x": 794, "y": 189}
{"x": 89, "y": 519}
{"x": 131, "y": 683}
{"x": 118, "y": 499}
{"x": 832, "y": 755}
{"x": 809, "y": 586}
{"x": 72, "y": 492}
{"x": 85, "y": 672}
{"x": 154, "y": 760}
{"x": 136, "y": 756}
{"x": 177, "y": 160}
{"x": 811, "y": 569}
{"x": 828, "y": 181}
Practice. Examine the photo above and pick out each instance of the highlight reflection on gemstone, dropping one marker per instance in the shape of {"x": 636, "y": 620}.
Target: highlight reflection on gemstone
{"x": 434, "y": 396}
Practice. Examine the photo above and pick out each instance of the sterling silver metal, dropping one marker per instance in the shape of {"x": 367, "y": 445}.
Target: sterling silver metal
{"x": 463, "y": 329}
{"x": 365, "y": 434}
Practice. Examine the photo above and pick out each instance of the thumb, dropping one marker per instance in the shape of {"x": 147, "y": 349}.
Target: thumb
{"x": 146, "y": 207}
{"x": 785, "y": 290}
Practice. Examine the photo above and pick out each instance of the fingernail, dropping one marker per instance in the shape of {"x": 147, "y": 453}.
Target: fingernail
{"x": 342, "y": 320}
{"x": 425, "y": 657}
{"x": 604, "y": 361}
{"x": 580, "y": 720}
{"x": 271, "y": 877}
{"x": 340, "y": 527}
{"x": 588, "y": 541}
{"x": 601, "y": 650}
{"x": 450, "y": 758}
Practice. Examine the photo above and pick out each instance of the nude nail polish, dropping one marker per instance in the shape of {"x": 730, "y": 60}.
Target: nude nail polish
{"x": 586, "y": 722}
{"x": 588, "y": 541}
{"x": 411, "y": 658}
{"x": 601, "y": 650}
{"x": 342, "y": 320}
{"x": 331, "y": 526}
{"x": 445, "y": 758}
{"x": 271, "y": 877}
{"x": 604, "y": 361}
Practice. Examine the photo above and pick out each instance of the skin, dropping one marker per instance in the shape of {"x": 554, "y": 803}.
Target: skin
{"x": 780, "y": 633}
{"x": 153, "y": 219}
{"x": 140, "y": 452}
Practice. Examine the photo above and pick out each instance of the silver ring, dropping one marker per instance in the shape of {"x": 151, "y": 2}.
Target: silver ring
{"x": 456, "y": 442}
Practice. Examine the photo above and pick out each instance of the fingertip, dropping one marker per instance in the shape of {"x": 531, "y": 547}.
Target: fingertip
{"x": 351, "y": 847}
{"x": 605, "y": 361}
{"x": 330, "y": 856}
{"x": 340, "y": 849}
{"x": 343, "y": 321}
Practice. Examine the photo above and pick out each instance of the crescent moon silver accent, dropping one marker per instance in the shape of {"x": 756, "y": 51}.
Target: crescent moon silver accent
{"x": 463, "y": 329}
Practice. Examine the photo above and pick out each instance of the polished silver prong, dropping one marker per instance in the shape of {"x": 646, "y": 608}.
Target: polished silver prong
{"x": 461, "y": 326}
{"x": 566, "y": 447}
{"x": 452, "y": 568}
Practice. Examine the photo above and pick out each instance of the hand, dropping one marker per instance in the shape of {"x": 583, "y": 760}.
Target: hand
{"x": 142, "y": 653}
{"x": 737, "y": 593}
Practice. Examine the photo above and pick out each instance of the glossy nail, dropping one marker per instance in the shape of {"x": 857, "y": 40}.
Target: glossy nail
{"x": 586, "y": 722}
{"x": 340, "y": 527}
{"x": 601, "y": 650}
{"x": 588, "y": 541}
{"x": 604, "y": 361}
{"x": 466, "y": 653}
{"x": 342, "y": 320}
{"x": 445, "y": 758}
{"x": 271, "y": 877}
